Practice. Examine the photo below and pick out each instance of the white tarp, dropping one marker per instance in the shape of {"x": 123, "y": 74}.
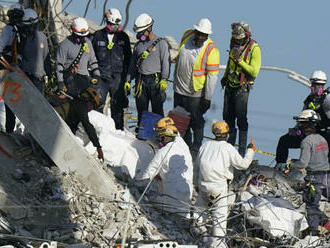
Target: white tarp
{"x": 275, "y": 215}
{"x": 120, "y": 148}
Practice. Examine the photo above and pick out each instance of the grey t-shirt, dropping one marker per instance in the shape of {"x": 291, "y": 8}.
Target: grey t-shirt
{"x": 313, "y": 154}
{"x": 184, "y": 73}
{"x": 157, "y": 61}
{"x": 68, "y": 52}
{"x": 34, "y": 55}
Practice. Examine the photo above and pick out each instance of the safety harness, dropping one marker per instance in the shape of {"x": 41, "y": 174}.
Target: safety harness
{"x": 247, "y": 51}
{"x": 143, "y": 56}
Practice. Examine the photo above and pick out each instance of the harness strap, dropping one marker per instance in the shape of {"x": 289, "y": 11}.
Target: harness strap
{"x": 247, "y": 51}
{"x": 76, "y": 60}
{"x": 149, "y": 49}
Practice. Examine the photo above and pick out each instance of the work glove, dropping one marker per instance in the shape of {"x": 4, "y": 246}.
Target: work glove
{"x": 95, "y": 80}
{"x": 252, "y": 145}
{"x": 205, "y": 105}
{"x": 100, "y": 154}
{"x": 223, "y": 82}
{"x": 162, "y": 85}
{"x": 127, "y": 88}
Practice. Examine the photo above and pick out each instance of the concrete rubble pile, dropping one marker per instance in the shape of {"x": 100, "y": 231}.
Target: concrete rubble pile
{"x": 37, "y": 200}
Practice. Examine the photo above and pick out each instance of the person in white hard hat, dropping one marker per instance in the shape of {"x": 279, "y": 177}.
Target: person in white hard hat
{"x": 150, "y": 67}
{"x": 77, "y": 72}
{"x": 10, "y": 45}
{"x": 113, "y": 52}
{"x": 195, "y": 77}
{"x": 35, "y": 50}
{"x": 243, "y": 67}
{"x": 318, "y": 100}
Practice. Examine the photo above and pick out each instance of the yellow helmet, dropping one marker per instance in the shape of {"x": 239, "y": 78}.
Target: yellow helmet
{"x": 219, "y": 128}
{"x": 171, "y": 131}
{"x": 164, "y": 122}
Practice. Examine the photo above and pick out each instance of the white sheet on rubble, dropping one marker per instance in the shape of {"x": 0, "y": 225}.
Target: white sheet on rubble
{"x": 120, "y": 148}
{"x": 275, "y": 215}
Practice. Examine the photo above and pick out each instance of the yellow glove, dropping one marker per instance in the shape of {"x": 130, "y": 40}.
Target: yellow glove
{"x": 127, "y": 88}
{"x": 94, "y": 81}
{"x": 163, "y": 84}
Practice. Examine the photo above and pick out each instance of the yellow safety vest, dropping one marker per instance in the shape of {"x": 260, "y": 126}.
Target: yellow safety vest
{"x": 207, "y": 61}
{"x": 234, "y": 71}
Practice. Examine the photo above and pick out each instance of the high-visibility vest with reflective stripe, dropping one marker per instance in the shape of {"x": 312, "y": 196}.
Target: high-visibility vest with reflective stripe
{"x": 234, "y": 71}
{"x": 207, "y": 61}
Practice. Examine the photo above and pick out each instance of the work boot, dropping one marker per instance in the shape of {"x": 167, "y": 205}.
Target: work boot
{"x": 232, "y": 136}
{"x": 242, "y": 141}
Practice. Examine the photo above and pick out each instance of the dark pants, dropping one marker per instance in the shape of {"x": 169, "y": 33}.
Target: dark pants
{"x": 78, "y": 112}
{"x": 321, "y": 184}
{"x": 150, "y": 93}
{"x": 192, "y": 105}
{"x": 115, "y": 86}
{"x": 10, "y": 116}
{"x": 235, "y": 107}
{"x": 10, "y": 120}
{"x": 286, "y": 142}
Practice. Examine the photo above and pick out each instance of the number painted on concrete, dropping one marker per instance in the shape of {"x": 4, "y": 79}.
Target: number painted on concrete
{"x": 13, "y": 87}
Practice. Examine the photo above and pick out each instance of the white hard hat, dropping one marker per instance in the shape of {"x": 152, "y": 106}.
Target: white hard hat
{"x": 142, "y": 22}
{"x": 113, "y": 16}
{"x": 80, "y": 27}
{"x": 318, "y": 77}
{"x": 30, "y": 17}
{"x": 204, "y": 26}
{"x": 307, "y": 115}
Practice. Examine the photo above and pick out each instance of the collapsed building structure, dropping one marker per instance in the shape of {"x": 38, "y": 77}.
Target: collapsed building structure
{"x": 48, "y": 194}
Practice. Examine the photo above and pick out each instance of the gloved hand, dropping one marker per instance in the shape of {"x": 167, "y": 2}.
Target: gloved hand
{"x": 100, "y": 154}
{"x": 95, "y": 80}
{"x": 162, "y": 84}
{"x": 205, "y": 105}
{"x": 236, "y": 54}
{"x": 252, "y": 145}
{"x": 127, "y": 88}
{"x": 223, "y": 82}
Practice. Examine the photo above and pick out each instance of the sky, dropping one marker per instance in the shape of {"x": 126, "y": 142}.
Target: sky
{"x": 292, "y": 34}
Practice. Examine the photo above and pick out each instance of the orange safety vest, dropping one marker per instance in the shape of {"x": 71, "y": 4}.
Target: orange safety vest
{"x": 207, "y": 61}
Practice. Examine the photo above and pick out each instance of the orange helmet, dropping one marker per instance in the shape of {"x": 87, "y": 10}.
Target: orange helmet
{"x": 219, "y": 128}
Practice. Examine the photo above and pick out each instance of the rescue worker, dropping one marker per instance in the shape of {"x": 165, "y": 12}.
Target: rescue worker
{"x": 74, "y": 56}
{"x": 10, "y": 46}
{"x": 195, "y": 77}
{"x": 216, "y": 161}
{"x": 35, "y": 50}
{"x": 314, "y": 101}
{"x": 242, "y": 69}
{"x": 150, "y": 67}
{"x": 113, "y": 52}
{"x": 172, "y": 165}
{"x": 313, "y": 161}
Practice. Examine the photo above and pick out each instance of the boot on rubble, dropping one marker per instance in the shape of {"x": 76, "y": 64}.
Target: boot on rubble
{"x": 242, "y": 142}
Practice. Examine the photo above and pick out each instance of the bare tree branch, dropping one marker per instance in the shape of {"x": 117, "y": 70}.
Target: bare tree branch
{"x": 87, "y": 7}
{"x": 127, "y": 13}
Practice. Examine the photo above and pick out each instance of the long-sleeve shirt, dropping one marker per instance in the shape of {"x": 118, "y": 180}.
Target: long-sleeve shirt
{"x": 184, "y": 73}
{"x": 313, "y": 154}
{"x": 216, "y": 161}
{"x": 158, "y": 60}
{"x": 34, "y": 54}
{"x": 68, "y": 51}
{"x": 7, "y": 37}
